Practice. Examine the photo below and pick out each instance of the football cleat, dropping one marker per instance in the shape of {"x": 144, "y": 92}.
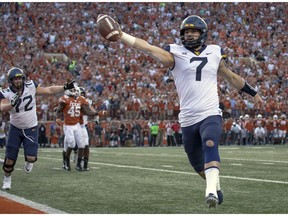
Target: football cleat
{"x": 220, "y": 196}
{"x": 211, "y": 200}
{"x": 67, "y": 165}
{"x": 78, "y": 168}
{"x": 86, "y": 169}
{"x": 28, "y": 167}
{"x": 68, "y": 168}
{"x": 6, "y": 183}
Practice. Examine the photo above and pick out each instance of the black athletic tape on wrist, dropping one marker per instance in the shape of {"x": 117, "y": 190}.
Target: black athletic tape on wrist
{"x": 249, "y": 89}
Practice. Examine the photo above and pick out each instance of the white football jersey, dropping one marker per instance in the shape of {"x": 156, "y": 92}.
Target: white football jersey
{"x": 23, "y": 115}
{"x": 85, "y": 117}
{"x": 195, "y": 77}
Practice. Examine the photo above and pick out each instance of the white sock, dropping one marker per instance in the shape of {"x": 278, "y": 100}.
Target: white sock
{"x": 212, "y": 181}
{"x": 218, "y": 183}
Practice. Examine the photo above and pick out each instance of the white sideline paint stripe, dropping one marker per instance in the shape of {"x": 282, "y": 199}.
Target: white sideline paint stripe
{"x": 178, "y": 172}
{"x": 31, "y": 204}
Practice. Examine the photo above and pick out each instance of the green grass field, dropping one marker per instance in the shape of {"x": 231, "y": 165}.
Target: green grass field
{"x": 156, "y": 181}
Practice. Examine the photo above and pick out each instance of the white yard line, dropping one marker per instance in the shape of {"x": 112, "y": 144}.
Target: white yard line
{"x": 184, "y": 155}
{"x": 104, "y": 151}
{"x": 192, "y": 173}
{"x": 189, "y": 173}
{"x": 254, "y": 160}
{"x": 31, "y": 204}
{"x": 178, "y": 172}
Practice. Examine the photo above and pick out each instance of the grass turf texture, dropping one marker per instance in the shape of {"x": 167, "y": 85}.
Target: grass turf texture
{"x": 156, "y": 181}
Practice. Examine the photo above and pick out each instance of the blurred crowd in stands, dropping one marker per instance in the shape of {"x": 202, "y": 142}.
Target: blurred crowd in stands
{"x": 58, "y": 41}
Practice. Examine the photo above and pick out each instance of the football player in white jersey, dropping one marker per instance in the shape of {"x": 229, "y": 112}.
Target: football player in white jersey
{"x": 19, "y": 99}
{"x": 195, "y": 66}
{"x": 84, "y": 129}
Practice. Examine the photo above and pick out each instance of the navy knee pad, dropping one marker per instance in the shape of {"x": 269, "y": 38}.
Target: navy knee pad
{"x": 211, "y": 152}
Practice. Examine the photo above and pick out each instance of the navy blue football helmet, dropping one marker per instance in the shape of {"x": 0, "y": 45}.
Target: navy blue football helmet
{"x": 194, "y": 22}
{"x": 13, "y": 73}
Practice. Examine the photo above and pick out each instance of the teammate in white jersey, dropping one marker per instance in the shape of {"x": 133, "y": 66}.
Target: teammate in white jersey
{"x": 20, "y": 101}
{"x": 84, "y": 129}
{"x": 195, "y": 66}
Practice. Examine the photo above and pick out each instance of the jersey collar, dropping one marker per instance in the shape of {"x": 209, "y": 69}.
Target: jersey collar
{"x": 198, "y": 52}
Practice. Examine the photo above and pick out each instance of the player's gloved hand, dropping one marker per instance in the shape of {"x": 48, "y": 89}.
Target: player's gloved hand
{"x": 15, "y": 99}
{"x": 69, "y": 85}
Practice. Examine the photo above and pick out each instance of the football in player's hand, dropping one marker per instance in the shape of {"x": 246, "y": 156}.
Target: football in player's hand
{"x": 108, "y": 28}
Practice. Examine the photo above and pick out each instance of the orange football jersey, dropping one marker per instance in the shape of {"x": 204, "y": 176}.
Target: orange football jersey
{"x": 72, "y": 109}
{"x": 283, "y": 124}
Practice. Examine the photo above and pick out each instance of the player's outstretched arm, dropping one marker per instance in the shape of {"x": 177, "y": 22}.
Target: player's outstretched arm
{"x": 55, "y": 89}
{"x": 155, "y": 52}
{"x": 110, "y": 30}
{"x": 237, "y": 82}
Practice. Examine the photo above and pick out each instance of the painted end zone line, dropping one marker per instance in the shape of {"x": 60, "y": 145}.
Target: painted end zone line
{"x": 31, "y": 204}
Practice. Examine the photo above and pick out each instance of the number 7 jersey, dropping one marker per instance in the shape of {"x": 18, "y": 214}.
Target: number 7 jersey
{"x": 195, "y": 76}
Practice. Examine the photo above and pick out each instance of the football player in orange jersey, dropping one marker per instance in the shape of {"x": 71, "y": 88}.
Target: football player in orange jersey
{"x": 72, "y": 106}
{"x": 276, "y": 139}
{"x": 269, "y": 130}
{"x": 283, "y": 124}
{"x": 259, "y": 121}
{"x": 249, "y": 126}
